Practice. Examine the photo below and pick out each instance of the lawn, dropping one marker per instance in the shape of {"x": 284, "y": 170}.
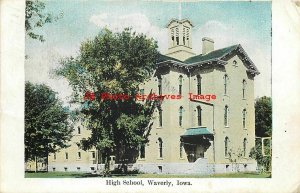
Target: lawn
{"x": 87, "y": 175}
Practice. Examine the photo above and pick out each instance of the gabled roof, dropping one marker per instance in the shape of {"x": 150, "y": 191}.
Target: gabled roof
{"x": 216, "y": 56}
{"x": 211, "y": 55}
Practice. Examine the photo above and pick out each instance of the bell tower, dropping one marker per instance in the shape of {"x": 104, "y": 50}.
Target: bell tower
{"x": 180, "y": 39}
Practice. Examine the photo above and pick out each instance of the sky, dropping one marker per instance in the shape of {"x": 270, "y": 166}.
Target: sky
{"x": 227, "y": 23}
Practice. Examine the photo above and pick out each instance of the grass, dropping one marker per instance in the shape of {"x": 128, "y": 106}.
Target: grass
{"x": 87, "y": 175}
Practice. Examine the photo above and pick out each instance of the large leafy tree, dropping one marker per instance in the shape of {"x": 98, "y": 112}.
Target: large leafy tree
{"x": 46, "y": 122}
{"x": 263, "y": 117}
{"x": 36, "y": 17}
{"x": 113, "y": 63}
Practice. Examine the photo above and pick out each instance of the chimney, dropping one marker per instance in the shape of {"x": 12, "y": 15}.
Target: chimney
{"x": 207, "y": 45}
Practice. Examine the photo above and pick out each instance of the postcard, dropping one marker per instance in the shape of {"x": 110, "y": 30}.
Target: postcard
{"x": 142, "y": 96}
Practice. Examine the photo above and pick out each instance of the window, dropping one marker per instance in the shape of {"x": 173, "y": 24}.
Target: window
{"x": 183, "y": 37}
{"x": 244, "y": 118}
{"x": 160, "y": 147}
{"x": 199, "y": 115}
{"x": 225, "y": 84}
{"x": 78, "y": 169}
{"x": 78, "y": 130}
{"x": 177, "y": 36}
{"x": 245, "y": 147}
{"x": 142, "y": 91}
{"x": 67, "y": 155}
{"x": 180, "y": 116}
{"x": 54, "y": 156}
{"x": 226, "y": 146}
{"x": 159, "y": 85}
{"x": 142, "y": 151}
{"x": 160, "y": 117}
{"x": 66, "y": 169}
{"x": 244, "y": 88}
{"x": 78, "y": 155}
{"x": 93, "y": 154}
{"x": 199, "y": 84}
{"x": 173, "y": 38}
{"x": 234, "y": 63}
{"x": 187, "y": 36}
{"x": 53, "y": 169}
{"x": 226, "y": 110}
{"x": 180, "y": 84}
{"x": 180, "y": 149}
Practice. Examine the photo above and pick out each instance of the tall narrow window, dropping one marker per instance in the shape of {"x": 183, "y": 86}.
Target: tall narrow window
{"x": 173, "y": 38}
{"x": 54, "y": 156}
{"x": 199, "y": 115}
{"x": 142, "y": 91}
{"x": 79, "y": 155}
{"x": 244, "y": 118}
{"x": 67, "y": 155}
{"x": 199, "y": 84}
{"x": 187, "y": 36}
{"x": 177, "y": 36}
{"x": 244, "y": 88}
{"x": 160, "y": 117}
{"x": 78, "y": 130}
{"x": 181, "y": 149}
{"x": 93, "y": 154}
{"x": 226, "y": 110}
{"x": 160, "y": 147}
{"x": 225, "y": 84}
{"x": 180, "y": 115}
{"x": 183, "y": 37}
{"x": 226, "y": 146}
{"x": 142, "y": 151}
{"x": 180, "y": 84}
{"x": 245, "y": 147}
{"x": 159, "y": 85}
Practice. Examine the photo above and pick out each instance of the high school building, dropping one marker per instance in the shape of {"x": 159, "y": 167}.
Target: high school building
{"x": 191, "y": 134}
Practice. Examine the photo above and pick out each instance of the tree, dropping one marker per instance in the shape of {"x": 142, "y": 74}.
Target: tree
{"x": 46, "y": 123}
{"x": 35, "y": 17}
{"x": 114, "y": 63}
{"x": 263, "y": 117}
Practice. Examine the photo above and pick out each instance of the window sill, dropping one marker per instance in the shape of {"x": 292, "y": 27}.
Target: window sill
{"x": 141, "y": 159}
{"x": 244, "y": 99}
{"x": 181, "y": 158}
{"x": 159, "y": 127}
{"x": 226, "y": 126}
{"x": 160, "y": 158}
{"x": 78, "y": 159}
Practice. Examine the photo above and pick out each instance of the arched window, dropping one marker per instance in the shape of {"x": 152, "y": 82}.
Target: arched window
{"x": 160, "y": 146}
{"x": 244, "y": 118}
{"x": 245, "y": 147}
{"x": 226, "y": 110}
{"x": 159, "y": 85}
{"x": 173, "y": 37}
{"x": 177, "y": 36}
{"x": 142, "y": 151}
{"x": 160, "y": 117}
{"x": 199, "y": 84}
{"x": 225, "y": 84}
{"x": 199, "y": 115}
{"x": 226, "y": 146}
{"x": 180, "y": 84}
{"x": 244, "y": 88}
{"x": 180, "y": 116}
{"x": 180, "y": 149}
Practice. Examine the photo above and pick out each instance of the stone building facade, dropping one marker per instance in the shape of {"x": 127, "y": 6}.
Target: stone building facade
{"x": 210, "y": 129}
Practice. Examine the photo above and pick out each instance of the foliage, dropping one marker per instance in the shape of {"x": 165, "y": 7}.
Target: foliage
{"x": 263, "y": 117}
{"x": 112, "y": 63}
{"x": 234, "y": 157}
{"x": 35, "y": 17}
{"x": 256, "y": 153}
{"x": 46, "y": 122}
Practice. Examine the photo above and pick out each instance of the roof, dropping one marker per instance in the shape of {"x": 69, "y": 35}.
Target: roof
{"x": 215, "y": 56}
{"x": 212, "y": 55}
{"x": 196, "y": 131}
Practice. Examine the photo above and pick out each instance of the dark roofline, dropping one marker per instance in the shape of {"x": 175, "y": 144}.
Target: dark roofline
{"x": 219, "y": 60}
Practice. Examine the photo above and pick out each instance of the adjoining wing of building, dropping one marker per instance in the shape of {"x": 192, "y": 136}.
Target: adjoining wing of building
{"x": 190, "y": 136}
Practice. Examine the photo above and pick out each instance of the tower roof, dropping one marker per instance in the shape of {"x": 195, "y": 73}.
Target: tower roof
{"x": 179, "y": 22}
